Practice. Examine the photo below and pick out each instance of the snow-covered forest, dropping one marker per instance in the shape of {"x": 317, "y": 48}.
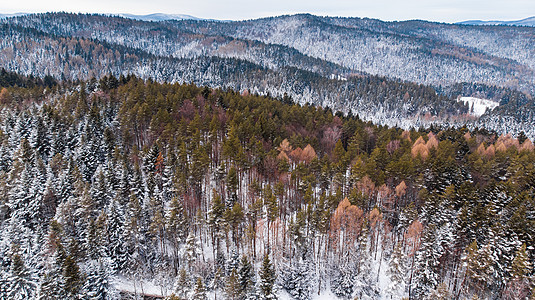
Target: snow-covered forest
{"x": 373, "y": 69}
{"x": 124, "y": 187}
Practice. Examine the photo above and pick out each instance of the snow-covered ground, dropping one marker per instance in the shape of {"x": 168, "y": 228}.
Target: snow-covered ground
{"x": 139, "y": 287}
{"x": 148, "y": 288}
{"x": 478, "y": 106}
{"x": 155, "y": 288}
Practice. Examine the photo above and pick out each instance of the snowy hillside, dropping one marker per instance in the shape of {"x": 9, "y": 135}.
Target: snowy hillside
{"x": 390, "y": 73}
{"x": 477, "y": 106}
{"x": 158, "y": 17}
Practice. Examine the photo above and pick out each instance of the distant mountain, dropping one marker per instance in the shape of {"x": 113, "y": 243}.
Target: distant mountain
{"x": 524, "y": 22}
{"x": 406, "y": 74}
{"x": 3, "y": 16}
{"x": 158, "y": 17}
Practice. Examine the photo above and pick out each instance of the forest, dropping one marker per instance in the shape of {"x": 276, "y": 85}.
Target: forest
{"x": 399, "y": 74}
{"x": 125, "y": 188}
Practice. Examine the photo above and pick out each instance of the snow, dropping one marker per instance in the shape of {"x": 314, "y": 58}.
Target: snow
{"x": 139, "y": 287}
{"x": 478, "y": 106}
{"x": 158, "y": 17}
{"x": 337, "y": 77}
{"x": 325, "y": 295}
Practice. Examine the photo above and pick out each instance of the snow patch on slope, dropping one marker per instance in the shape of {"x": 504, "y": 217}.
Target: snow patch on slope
{"x": 478, "y": 106}
{"x": 140, "y": 287}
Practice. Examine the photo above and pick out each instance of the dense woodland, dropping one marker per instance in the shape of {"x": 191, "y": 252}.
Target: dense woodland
{"x": 111, "y": 186}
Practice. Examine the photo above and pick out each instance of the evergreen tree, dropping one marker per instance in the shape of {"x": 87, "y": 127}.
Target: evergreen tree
{"x": 232, "y": 187}
{"x": 232, "y": 286}
{"x": 19, "y": 284}
{"x": 191, "y": 251}
{"x": 97, "y": 284}
{"x": 479, "y": 267}
{"x": 182, "y": 285}
{"x": 518, "y": 286}
{"x": 267, "y": 279}
{"x": 343, "y": 283}
{"x": 427, "y": 260}
{"x": 246, "y": 279}
{"x": 72, "y": 277}
{"x": 396, "y": 271}
{"x": 521, "y": 266}
{"x": 297, "y": 281}
{"x": 199, "y": 293}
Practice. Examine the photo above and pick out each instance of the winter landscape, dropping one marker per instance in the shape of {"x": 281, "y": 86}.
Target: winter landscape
{"x": 292, "y": 156}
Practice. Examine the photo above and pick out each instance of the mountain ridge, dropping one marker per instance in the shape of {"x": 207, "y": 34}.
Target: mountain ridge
{"x": 336, "y": 62}
{"x": 530, "y": 21}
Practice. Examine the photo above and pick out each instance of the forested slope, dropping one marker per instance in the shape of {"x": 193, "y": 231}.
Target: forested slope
{"x": 121, "y": 186}
{"x": 371, "y": 68}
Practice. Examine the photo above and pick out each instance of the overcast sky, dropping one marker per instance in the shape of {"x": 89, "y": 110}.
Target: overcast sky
{"x": 434, "y": 10}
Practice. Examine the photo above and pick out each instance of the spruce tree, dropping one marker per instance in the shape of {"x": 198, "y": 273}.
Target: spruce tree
{"x": 19, "y": 284}
{"x": 182, "y": 285}
{"x": 427, "y": 260}
{"x": 518, "y": 286}
{"x": 72, "y": 277}
{"x": 297, "y": 281}
{"x": 232, "y": 286}
{"x": 199, "y": 293}
{"x": 267, "y": 279}
{"x": 396, "y": 271}
{"x": 246, "y": 278}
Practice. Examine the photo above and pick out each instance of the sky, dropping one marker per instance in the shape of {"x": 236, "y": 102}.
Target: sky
{"x": 388, "y": 10}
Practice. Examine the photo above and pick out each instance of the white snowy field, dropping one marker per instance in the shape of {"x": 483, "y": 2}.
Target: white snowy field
{"x": 478, "y": 106}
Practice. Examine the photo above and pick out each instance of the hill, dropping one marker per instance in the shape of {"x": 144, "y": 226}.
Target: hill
{"x": 335, "y": 62}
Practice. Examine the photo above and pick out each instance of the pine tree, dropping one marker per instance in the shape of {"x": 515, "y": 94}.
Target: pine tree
{"x": 72, "y": 277}
{"x": 97, "y": 285}
{"x": 19, "y": 283}
{"x": 115, "y": 226}
{"x": 479, "y": 267}
{"x": 50, "y": 287}
{"x": 427, "y": 260}
{"x": 364, "y": 284}
{"x": 232, "y": 187}
{"x": 521, "y": 266}
{"x": 177, "y": 227}
{"x": 396, "y": 271}
{"x": 199, "y": 293}
{"x": 518, "y": 286}
{"x": 343, "y": 283}
{"x": 232, "y": 286}
{"x": 297, "y": 281}
{"x": 178, "y": 222}
{"x": 246, "y": 279}
{"x": 182, "y": 285}
{"x": 272, "y": 209}
{"x": 267, "y": 279}
{"x": 191, "y": 251}
{"x": 216, "y": 220}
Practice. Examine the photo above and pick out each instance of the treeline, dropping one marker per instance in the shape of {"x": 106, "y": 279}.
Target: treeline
{"x": 113, "y": 186}
{"x": 13, "y": 79}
